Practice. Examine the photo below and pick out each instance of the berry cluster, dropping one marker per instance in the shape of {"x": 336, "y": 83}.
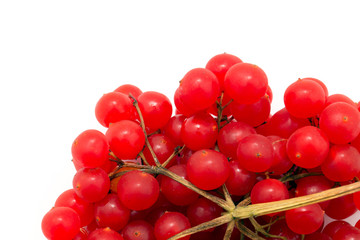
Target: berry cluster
{"x": 221, "y": 168}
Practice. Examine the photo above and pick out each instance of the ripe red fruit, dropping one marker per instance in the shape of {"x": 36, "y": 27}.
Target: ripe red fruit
{"x": 253, "y": 114}
{"x": 269, "y": 190}
{"x": 156, "y": 109}
{"x": 110, "y": 212}
{"x": 138, "y": 190}
{"x": 129, "y": 89}
{"x": 83, "y": 208}
{"x": 341, "y": 122}
{"x": 245, "y": 83}
{"x": 313, "y": 184}
{"x": 163, "y": 148}
{"x": 199, "y": 89}
{"x": 331, "y": 228}
{"x": 339, "y": 98}
{"x": 347, "y": 204}
{"x": 138, "y": 230}
{"x": 170, "y": 224}
{"x": 230, "y": 136}
{"x": 104, "y": 234}
{"x": 208, "y": 169}
{"x": 255, "y": 153}
{"x": 90, "y": 148}
{"x": 347, "y": 233}
{"x": 304, "y": 98}
{"x": 175, "y": 192}
{"x": 199, "y": 131}
{"x": 126, "y": 139}
{"x": 113, "y": 107}
{"x": 306, "y": 219}
{"x": 308, "y": 147}
{"x": 173, "y": 129}
{"x": 342, "y": 163}
{"x": 282, "y": 124}
{"x": 203, "y": 210}
{"x": 220, "y": 64}
{"x": 91, "y": 184}
{"x": 61, "y": 223}
{"x": 240, "y": 181}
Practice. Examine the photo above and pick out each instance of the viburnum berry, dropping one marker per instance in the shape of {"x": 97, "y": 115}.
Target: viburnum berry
{"x": 138, "y": 230}
{"x": 230, "y": 136}
{"x": 208, "y": 169}
{"x": 129, "y": 89}
{"x": 113, "y": 107}
{"x": 170, "y": 224}
{"x": 199, "y": 131}
{"x": 255, "y": 153}
{"x": 341, "y": 122}
{"x": 308, "y": 147}
{"x": 85, "y": 209}
{"x": 105, "y": 234}
{"x": 156, "y": 109}
{"x": 61, "y": 223}
{"x": 138, "y": 190}
{"x": 175, "y": 192}
{"x": 304, "y": 98}
{"x": 245, "y": 83}
{"x": 220, "y": 64}
{"x": 306, "y": 219}
{"x": 199, "y": 89}
{"x": 339, "y": 98}
{"x": 90, "y": 148}
{"x": 91, "y": 184}
{"x": 126, "y": 139}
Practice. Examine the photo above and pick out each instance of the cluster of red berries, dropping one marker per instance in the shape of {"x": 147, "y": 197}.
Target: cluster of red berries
{"x": 153, "y": 175}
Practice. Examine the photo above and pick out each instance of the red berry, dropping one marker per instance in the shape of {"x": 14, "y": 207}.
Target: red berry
{"x": 126, "y": 139}
{"x": 245, "y": 83}
{"x": 113, "y": 107}
{"x": 208, "y": 169}
{"x": 170, "y": 224}
{"x": 138, "y": 190}
{"x": 90, "y": 148}
{"x": 61, "y": 223}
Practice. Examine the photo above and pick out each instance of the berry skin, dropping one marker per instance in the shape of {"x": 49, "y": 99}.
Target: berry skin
{"x": 90, "y": 149}
{"x": 126, "y": 139}
{"x": 245, "y": 83}
{"x": 61, "y": 223}
{"x": 208, "y": 169}
{"x": 104, "y": 234}
{"x": 255, "y": 153}
{"x": 199, "y": 131}
{"x": 341, "y": 122}
{"x": 199, "y": 89}
{"x": 304, "y": 98}
{"x": 138, "y": 190}
{"x": 220, "y": 64}
{"x": 91, "y": 184}
{"x": 113, "y": 107}
{"x": 170, "y": 224}
{"x": 306, "y": 219}
{"x": 308, "y": 147}
{"x": 156, "y": 109}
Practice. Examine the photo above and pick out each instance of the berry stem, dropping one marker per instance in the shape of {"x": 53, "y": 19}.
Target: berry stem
{"x": 229, "y": 230}
{"x": 226, "y": 218}
{"x": 260, "y": 209}
{"x": 260, "y": 229}
{"x": 142, "y": 124}
{"x": 247, "y": 232}
{"x": 177, "y": 150}
{"x": 221, "y": 202}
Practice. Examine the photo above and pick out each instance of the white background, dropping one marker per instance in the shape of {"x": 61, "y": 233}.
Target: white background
{"x": 58, "y": 57}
